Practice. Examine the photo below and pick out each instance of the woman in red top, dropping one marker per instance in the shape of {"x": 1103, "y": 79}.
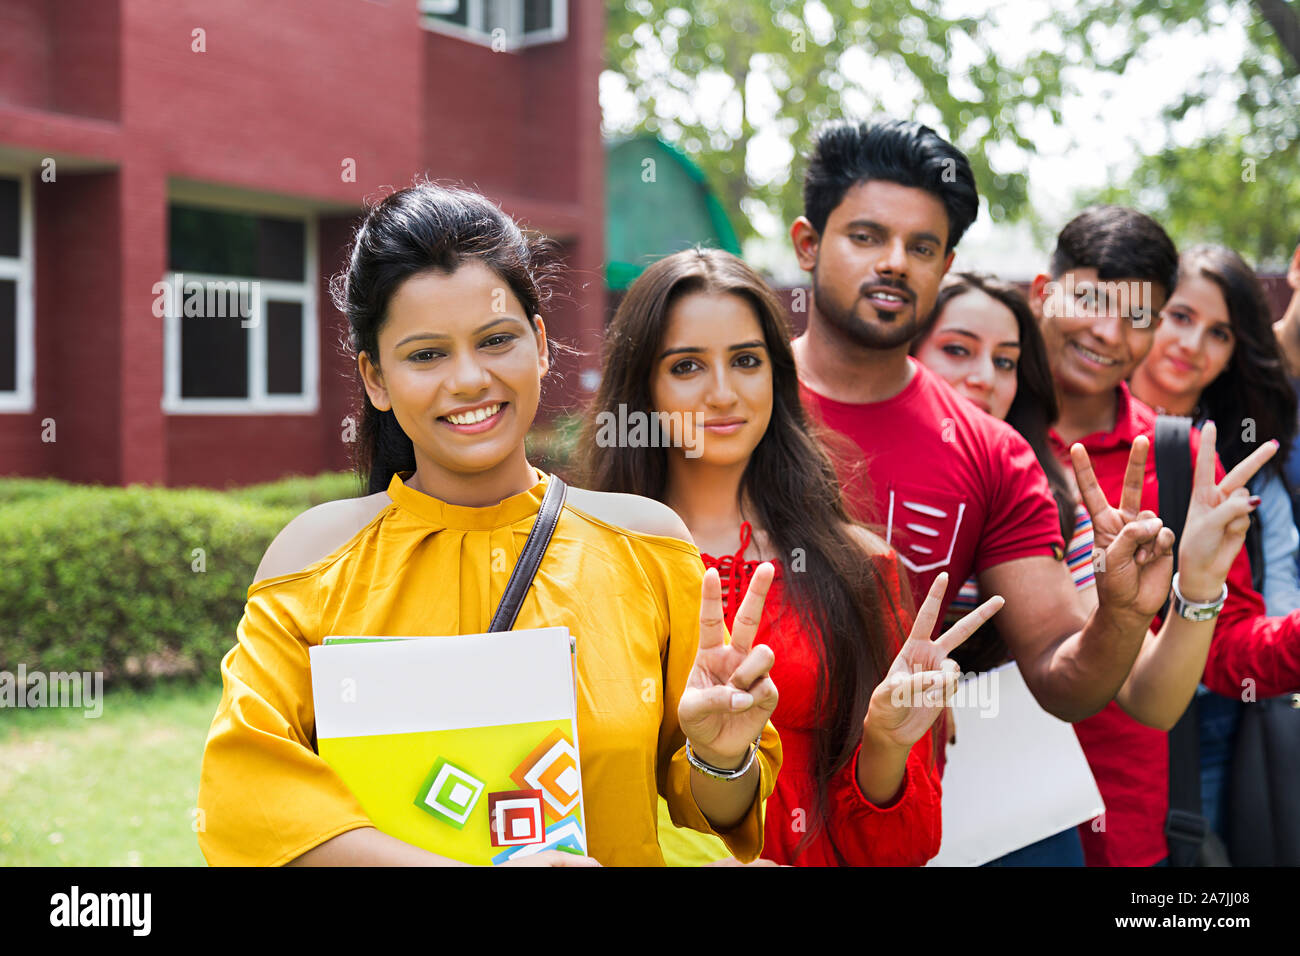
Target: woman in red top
{"x": 699, "y": 407}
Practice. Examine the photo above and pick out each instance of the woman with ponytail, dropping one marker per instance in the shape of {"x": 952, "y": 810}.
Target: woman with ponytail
{"x": 444, "y": 296}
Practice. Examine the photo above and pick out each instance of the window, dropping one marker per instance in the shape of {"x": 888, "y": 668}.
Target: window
{"x": 17, "y": 351}
{"x": 240, "y": 311}
{"x": 518, "y": 22}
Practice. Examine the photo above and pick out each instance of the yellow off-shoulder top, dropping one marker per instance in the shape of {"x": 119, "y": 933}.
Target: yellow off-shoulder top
{"x": 422, "y": 566}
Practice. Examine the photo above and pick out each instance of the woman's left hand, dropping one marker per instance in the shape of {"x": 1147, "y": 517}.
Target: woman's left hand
{"x": 1218, "y": 517}
{"x": 729, "y": 697}
{"x": 923, "y": 678}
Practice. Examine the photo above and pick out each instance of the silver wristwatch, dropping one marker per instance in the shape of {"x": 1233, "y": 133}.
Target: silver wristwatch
{"x": 716, "y": 772}
{"x": 1194, "y": 611}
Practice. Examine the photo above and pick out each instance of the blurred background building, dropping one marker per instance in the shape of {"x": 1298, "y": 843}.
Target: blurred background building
{"x": 238, "y": 142}
{"x": 232, "y": 142}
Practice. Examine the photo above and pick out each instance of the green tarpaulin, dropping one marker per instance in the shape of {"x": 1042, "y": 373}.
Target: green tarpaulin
{"x": 656, "y": 202}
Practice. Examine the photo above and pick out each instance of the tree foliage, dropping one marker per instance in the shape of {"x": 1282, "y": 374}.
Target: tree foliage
{"x": 1240, "y": 184}
{"x": 786, "y": 66}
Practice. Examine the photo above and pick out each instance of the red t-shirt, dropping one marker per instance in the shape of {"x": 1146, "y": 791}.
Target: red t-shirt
{"x": 1129, "y": 759}
{"x": 855, "y": 831}
{"x": 952, "y": 488}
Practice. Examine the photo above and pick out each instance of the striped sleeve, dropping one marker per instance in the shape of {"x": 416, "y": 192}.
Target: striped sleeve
{"x": 1078, "y": 553}
{"x": 967, "y": 600}
{"x": 1078, "y": 559}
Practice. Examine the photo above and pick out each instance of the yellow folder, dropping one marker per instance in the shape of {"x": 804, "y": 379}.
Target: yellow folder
{"x": 464, "y": 745}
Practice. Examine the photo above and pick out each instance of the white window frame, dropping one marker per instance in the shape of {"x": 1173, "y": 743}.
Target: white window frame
{"x": 22, "y": 269}
{"x": 258, "y": 402}
{"x": 474, "y": 31}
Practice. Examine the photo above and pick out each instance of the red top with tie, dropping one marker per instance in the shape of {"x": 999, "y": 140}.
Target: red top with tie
{"x": 855, "y": 831}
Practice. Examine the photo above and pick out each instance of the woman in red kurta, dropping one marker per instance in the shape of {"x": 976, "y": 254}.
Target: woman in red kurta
{"x": 699, "y": 407}
{"x": 857, "y": 831}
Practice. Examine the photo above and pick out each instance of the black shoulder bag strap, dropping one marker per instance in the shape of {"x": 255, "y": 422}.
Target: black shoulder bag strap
{"x": 521, "y": 578}
{"x": 1185, "y": 827}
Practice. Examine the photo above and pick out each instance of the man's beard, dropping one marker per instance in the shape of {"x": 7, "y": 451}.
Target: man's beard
{"x": 901, "y": 331}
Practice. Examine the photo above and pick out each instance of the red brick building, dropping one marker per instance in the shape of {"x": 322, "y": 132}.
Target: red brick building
{"x": 237, "y": 143}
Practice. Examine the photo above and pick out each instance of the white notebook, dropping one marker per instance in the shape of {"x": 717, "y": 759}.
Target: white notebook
{"x": 1015, "y": 776}
{"x": 464, "y": 745}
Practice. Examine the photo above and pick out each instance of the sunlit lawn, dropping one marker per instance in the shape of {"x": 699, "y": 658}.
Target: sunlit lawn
{"x": 112, "y": 791}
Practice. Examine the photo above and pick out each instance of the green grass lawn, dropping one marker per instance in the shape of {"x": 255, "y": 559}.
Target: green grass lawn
{"x": 117, "y": 790}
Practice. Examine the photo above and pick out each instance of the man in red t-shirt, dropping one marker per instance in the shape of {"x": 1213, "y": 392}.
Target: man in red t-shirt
{"x": 1112, "y": 271}
{"x": 954, "y": 489}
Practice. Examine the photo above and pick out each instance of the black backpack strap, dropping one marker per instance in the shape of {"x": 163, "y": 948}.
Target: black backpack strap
{"x": 521, "y": 578}
{"x": 1185, "y": 827}
{"x": 1174, "y": 476}
{"x": 1255, "y": 552}
{"x": 1295, "y": 499}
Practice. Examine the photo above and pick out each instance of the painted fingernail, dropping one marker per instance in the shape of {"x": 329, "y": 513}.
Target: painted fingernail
{"x": 1254, "y": 500}
{"x": 739, "y": 701}
{"x": 1275, "y": 443}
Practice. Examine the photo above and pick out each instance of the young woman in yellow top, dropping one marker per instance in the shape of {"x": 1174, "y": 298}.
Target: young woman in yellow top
{"x": 442, "y": 298}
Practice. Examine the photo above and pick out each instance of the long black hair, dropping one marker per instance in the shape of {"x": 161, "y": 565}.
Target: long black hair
{"x": 789, "y": 482}
{"x": 1253, "y": 387}
{"x": 415, "y": 230}
{"x": 1033, "y": 412}
{"x": 1034, "y": 409}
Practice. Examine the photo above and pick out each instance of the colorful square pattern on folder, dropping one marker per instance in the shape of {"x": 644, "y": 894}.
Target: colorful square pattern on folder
{"x": 565, "y": 835}
{"x": 515, "y": 817}
{"x": 552, "y": 768}
{"x": 449, "y": 793}
{"x": 444, "y": 736}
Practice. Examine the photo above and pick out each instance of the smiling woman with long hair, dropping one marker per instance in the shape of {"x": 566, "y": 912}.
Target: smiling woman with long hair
{"x": 443, "y": 297}
{"x": 985, "y": 343}
{"x": 700, "y": 338}
{"x": 1215, "y": 357}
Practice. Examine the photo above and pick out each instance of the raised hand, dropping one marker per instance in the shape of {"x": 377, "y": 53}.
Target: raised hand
{"x": 1137, "y": 548}
{"x": 729, "y": 697}
{"x": 922, "y": 678}
{"x": 1218, "y": 516}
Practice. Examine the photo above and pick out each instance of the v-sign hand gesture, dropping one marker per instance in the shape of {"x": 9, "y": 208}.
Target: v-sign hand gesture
{"x": 729, "y": 697}
{"x": 1138, "y": 559}
{"x": 922, "y": 678}
{"x": 1218, "y": 516}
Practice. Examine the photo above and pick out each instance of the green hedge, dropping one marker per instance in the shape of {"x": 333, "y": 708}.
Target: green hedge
{"x": 103, "y": 578}
{"x": 30, "y": 489}
{"x": 301, "y": 492}
{"x": 97, "y": 578}
{"x": 551, "y": 446}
